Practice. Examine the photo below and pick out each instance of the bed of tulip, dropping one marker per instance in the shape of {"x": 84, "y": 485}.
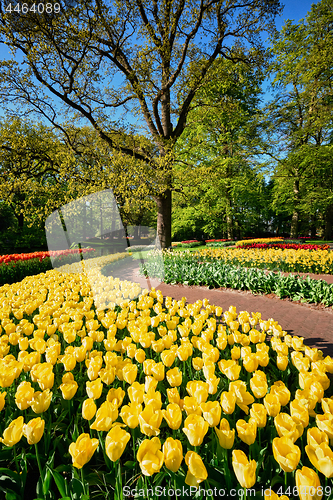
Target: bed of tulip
{"x": 15, "y": 257}
{"x": 277, "y": 239}
{"x": 153, "y": 392}
{"x": 286, "y": 246}
{"x": 299, "y": 261}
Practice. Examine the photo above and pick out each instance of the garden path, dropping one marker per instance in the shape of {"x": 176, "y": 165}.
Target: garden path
{"x": 314, "y": 323}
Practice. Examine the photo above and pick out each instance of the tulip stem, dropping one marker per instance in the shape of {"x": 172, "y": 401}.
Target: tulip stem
{"x": 244, "y": 497}
{"x": 39, "y": 464}
{"x": 285, "y": 480}
{"x": 82, "y": 480}
{"x": 15, "y": 459}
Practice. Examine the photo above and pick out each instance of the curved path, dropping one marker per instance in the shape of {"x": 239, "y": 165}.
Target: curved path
{"x": 314, "y": 323}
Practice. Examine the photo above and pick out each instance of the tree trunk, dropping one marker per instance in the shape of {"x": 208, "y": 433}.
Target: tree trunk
{"x": 230, "y": 229}
{"x": 295, "y": 216}
{"x": 328, "y": 223}
{"x": 20, "y": 219}
{"x": 164, "y": 204}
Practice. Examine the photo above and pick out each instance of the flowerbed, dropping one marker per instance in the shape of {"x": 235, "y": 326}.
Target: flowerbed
{"x": 201, "y": 269}
{"x": 285, "y": 246}
{"x": 277, "y": 239}
{"x": 17, "y": 266}
{"x": 152, "y": 392}
{"x": 299, "y": 261}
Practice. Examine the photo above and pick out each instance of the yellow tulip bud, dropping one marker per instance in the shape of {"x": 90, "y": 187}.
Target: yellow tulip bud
{"x": 259, "y": 413}
{"x": 195, "y": 428}
{"x": 174, "y": 377}
{"x": 321, "y": 458}
{"x": 41, "y": 401}
{"x": 247, "y": 431}
{"x": 173, "y": 416}
{"x": 89, "y": 409}
{"x": 130, "y": 414}
{"x": 211, "y": 412}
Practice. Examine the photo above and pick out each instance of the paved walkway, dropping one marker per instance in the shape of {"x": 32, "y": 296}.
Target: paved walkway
{"x": 313, "y": 323}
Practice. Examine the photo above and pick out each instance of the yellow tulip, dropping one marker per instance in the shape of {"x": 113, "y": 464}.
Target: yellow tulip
{"x": 213, "y": 383}
{"x": 198, "y": 390}
{"x": 13, "y": 433}
{"x": 82, "y": 450}
{"x": 140, "y": 355}
{"x": 23, "y": 395}
{"x": 2, "y": 400}
{"x": 173, "y": 416}
{"x": 168, "y": 357}
{"x": 230, "y": 368}
{"x": 325, "y": 423}
{"x": 105, "y": 416}
{"x": 116, "y": 395}
{"x": 41, "y": 401}
{"x": 321, "y": 458}
{"x": 150, "y": 421}
{"x": 247, "y": 431}
{"x": 150, "y": 456}
{"x": 69, "y": 389}
{"x": 228, "y": 402}
{"x": 258, "y": 385}
{"x": 115, "y": 442}
{"x": 286, "y": 426}
{"x": 282, "y": 362}
{"x": 135, "y": 392}
{"x": 272, "y": 404}
{"x": 281, "y": 391}
{"x": 250, "y": 362}
{"x": 89, "y": 409}
{"x": 130, "y": 372}
{"x": 173, "y": 454}
{"x": 308, "y": 484}
{"x": 225, "y": 436}
{"x": 94, "y": 388}
{"x": 245, "y": 471}
{"x": 286, "y": 453}
{"x": 191, "y": 406}
{"x": 174, "y": 377}
{"x": 130, "y": 414}
{"x": 197, "y": 472}
{"x": 195, "y": 428}
{"x": 243, "y": 398}
{"x": 299, "y": 413}
{"x": 197, "y": 363}
{"x": 34, "y": 430}
{"x": 259, "y": 413}
{"x": 158, "y": 371}
{"x": 211, "y": 412}
{"x": 173, "y": 395}
{"x": 315, "y": 437}
{"x": 150, "y": 383}
{"x": 153, "y": 398}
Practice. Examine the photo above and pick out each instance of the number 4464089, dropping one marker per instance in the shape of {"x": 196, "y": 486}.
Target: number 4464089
{"x": 38, "y": 8}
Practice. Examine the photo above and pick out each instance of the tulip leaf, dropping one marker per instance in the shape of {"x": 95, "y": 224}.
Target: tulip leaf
{"x": 11, "y": 495}
{"x": 77, "y": 488}
{"x": 59, "y": 481}
{"x": 129, "y": 464}
{"x": 276, "y": 480}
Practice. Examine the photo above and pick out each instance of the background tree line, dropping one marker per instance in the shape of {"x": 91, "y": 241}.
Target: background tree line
{"x": 207, "y": 152}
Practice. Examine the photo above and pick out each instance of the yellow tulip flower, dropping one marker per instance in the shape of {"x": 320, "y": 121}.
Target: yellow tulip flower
{"x": 286, "y": 426}
{"x": 272, "y": 404}
{"x": 197, "y": 472}
{"x": 13, "y": 433}
{"x": 135, "y": 392}
{"x": 286, "y": 453}
{"x": 211, "y": 412}
{"x": 150, "y": 456}
{"x": 281, "y": 391}
{"x": 321, "y": 458}
{"x": 173, "y": 416}
{"x": 173, "y": 454}
{"x": 34, "y": 430}
{"x": 130, "y": 414}
{"x": 308, "y": 484}
{"x": 82, "y": 450}
{"x": 225, "y": 436}
{"x": 150, "y": 421}
{"x": 89, "y": 409}
{"x": 299, "y": 413}
{"x": 247, "y": 431}
{"x": 315, "y": 437}
{"x": 115, "y": 442}
{"x": 325, "y": 423}
{"x": 174, "y": 377}
{"x": 105, "y": 416}
{"x": 259, "y": 413}
{"x": 195, "y": 428}
{"x": 41, "y": 401}
{"x": 245, "y": 471}
{"x": 23, "y": 395}
{"x": 2, "y": 400}
{"x": 228, "y": 402}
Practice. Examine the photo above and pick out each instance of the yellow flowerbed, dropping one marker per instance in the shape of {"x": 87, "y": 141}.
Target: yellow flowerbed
{"x": 277, "y": 239}
{"x": 318, "y": 261}
{"x": 154, "y": 389}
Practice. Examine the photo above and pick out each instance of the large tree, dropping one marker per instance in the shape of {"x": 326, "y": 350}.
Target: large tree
{"x": 145, "y": 58}
{"x": 300, "y": 115}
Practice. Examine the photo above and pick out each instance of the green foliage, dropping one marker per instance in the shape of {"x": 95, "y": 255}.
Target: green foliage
{"x": 192, "y": 269}
{"x": 17, "y": 271}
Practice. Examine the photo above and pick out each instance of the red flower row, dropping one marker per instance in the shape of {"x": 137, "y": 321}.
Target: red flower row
{"x": 286, "y": 246}
{"x": 5, "y": 259}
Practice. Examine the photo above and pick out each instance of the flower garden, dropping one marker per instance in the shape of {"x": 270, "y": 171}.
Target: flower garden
{"x": 140, "y": 394}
